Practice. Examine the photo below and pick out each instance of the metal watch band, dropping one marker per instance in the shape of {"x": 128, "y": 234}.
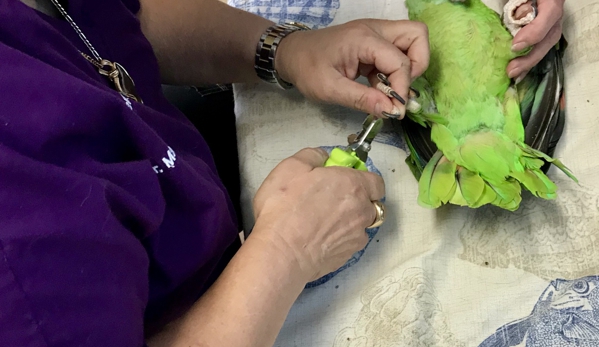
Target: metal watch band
{"x": 267, "y": 49}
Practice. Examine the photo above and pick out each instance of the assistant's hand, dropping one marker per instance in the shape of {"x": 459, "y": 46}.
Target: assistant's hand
{"x": 543, "y": 33}
{"x": 316, "y": 215}
{"x": 323, "y": 64}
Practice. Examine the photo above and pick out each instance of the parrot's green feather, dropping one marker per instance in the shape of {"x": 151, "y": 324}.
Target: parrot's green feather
{"x": 424, "y": 111}
{"x": 425, "y": 194}
{"x": 471, "y": 186}
{"x": 475, "y": 116}
{"x": 471, "y": 190}
{"x": 538, "y": 154}
{"x": 440, "y": 176}
{"x": 508, "y": 194}
{"x": 536, "y": 182}
{"x": 531, "y": 163}
{"x": 487, "y": 197}
{"x": 514, "y": 129}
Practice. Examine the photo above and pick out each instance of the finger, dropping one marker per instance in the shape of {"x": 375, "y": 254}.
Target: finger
{"x": 392, "y": 62}
{"x": 410, "y": 37}
{"x": 352, "y": 94}
{"x": 549, "y": 13}
{"x": 366, "y": 70}
{"x": 376, "y": 83}
{"x": 373, "y": 184}
{"x": 363, "y": 240}
{"x": 312, "y": 157}
{"x": 416, "y": 48}
{"x": 522, "y": 65}
{"x": 301, "y": 162}
{"x": 523, "y": 10}
{"x": 400, "y": 80}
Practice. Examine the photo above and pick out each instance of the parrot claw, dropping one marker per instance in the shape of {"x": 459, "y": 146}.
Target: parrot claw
{"x": 413, "y": 105}
{"x": 414, "y": 93}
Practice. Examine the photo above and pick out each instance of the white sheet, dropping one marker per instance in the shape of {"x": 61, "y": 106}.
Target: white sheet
{"x": 449, "y": 277}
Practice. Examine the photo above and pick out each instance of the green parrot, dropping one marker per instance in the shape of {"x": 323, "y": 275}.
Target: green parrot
{"x": 474, "y": 137}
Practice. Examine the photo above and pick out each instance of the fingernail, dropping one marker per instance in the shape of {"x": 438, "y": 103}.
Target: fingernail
{"x": 322, "y": 151}
{"x": 521, "y": 77}
{"x": 515, "y": 72}
{"x": 378, "y": 109}
{"x": 395, "y": 113}
{"x": 517, "y": 47}
{"x": 398, "y": 97}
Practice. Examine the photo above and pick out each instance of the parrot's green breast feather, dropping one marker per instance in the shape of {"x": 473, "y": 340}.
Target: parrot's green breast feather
{"x": 470, "y": 50}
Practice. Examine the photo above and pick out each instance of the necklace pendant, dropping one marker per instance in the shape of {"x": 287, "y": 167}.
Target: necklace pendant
{"x": 123, "y": 83}
{"x": 121, "y": 79}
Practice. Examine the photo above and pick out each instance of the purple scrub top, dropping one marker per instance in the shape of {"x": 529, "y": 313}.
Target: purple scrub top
{"x": 111, "y": 212}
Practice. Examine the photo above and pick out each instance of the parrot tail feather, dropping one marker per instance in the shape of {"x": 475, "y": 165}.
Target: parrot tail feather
{"x": 533, "y": 153}
{"x": 535, "y": 181}
{"x": 438, "y": 182}
{"x": 445, "y": 182}
{"x": 533, "y": 178}
{"x": 442, "y": 182}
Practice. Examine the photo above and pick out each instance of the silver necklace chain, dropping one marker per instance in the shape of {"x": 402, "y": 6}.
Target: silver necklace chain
{"x": 77, "y": 30}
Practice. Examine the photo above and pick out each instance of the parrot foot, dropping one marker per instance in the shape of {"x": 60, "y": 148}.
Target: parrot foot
{"x": 523, "y": 11}
{"x": 413, "y": 105}
{"x": 518, "y": 13}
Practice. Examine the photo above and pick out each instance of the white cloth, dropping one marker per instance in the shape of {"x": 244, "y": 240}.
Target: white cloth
{"x": 512, "y": 24}
{"x": 452, "y": 276}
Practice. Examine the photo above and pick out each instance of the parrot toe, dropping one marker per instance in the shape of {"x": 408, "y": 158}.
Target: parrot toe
{"x": 523, "y": 10}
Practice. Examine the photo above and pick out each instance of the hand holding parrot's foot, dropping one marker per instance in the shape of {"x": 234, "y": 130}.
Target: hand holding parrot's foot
{"x": 385, "y": 86}
{"x": 517, "y": 14}
{"x": 523, "y": 10}
{"x": 537, "y": 27}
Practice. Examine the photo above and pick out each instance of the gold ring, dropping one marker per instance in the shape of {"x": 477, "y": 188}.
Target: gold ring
{"x": 380, "y": 214}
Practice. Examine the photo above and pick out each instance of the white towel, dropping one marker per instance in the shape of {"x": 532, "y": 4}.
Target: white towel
{"x": 512, "y": 24}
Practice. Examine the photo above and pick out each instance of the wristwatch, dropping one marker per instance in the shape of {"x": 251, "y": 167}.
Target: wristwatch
{"x": 267, "y": 48}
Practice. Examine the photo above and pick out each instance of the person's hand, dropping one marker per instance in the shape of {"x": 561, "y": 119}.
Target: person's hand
{"x": 543, "y": 33}
{"x": 323, "y": 64}
{"x": 314, "y": 214}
